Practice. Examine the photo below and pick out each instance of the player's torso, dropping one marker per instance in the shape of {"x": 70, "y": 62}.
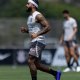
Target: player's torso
{"x": 68, "y": 29}
{"x": 35, "y": 27}
{"x": 68, "y": 26}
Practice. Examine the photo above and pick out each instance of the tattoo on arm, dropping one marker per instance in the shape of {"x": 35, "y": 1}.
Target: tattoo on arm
{"x": 41, "y": 19}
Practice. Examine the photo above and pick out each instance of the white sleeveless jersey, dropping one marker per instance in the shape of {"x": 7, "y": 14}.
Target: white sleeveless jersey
{"x": 34, "y": 27}
{"x": 68, "y": 27}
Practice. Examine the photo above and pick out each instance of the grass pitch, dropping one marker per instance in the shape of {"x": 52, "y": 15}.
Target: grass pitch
{"x": 22, "y": 73}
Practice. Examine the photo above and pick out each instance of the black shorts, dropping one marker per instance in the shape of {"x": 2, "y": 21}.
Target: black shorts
{"x": 36, "y": 49}
{"x": 69, "y": 43}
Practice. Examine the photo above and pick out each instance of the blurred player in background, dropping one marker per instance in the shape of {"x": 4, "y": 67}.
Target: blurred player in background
{"x": 37, "y": 27}
{"x": 68, "y": 39}
{"x": 77, "y": 54}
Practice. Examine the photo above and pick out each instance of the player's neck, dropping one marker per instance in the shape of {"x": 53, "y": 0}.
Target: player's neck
{"x": 68, "y": 17}
{"x": 33, "y": 10}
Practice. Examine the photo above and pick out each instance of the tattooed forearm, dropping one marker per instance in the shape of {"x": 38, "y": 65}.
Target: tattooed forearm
{"x": 44, "y": 31}
{"x": 41, "y": 19}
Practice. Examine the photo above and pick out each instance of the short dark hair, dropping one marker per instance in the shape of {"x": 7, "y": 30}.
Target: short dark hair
{"x": 36, "y": 1}
{"x": 66, "y": 11}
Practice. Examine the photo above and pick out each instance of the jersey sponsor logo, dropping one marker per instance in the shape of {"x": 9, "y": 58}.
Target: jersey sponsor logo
{"x": 2, "y": 57}
{"x": 31, "y": 19}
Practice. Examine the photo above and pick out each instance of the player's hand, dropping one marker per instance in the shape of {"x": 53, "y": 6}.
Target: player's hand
{"x": 60, "y": 42}
{"x": 33, "y": 35}
{"x": 23, "y": 30}
{"x": 71, "y": 39}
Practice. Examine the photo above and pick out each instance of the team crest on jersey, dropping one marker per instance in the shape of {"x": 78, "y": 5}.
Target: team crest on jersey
{"x": 30, "y": 19}
{"x": 21, "y": 56}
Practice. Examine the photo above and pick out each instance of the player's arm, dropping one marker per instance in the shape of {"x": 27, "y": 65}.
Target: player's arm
{"x": 62, "y": 36}
{"x": 75, "y": 31}
{"x": 24, "y": 30}
{"x": 61, "y": 39}
{"x": 41, "y": 19}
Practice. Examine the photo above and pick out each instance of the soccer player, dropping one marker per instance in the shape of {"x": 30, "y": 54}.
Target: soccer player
{"x": 77, "y": 54}
{"x": 68, "y": 37}
{"x": 37, "y": 27}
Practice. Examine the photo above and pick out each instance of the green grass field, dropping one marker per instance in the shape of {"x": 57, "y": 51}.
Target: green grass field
{"x": 22, "y": 73}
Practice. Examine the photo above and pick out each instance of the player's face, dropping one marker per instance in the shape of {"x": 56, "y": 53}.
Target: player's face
{"x": 65, "y": 15}
{"x": 29, "y": 7}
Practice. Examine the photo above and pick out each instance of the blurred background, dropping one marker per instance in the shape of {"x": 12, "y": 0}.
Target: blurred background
{"x": 13, "y": 16}
{"x": 14, "y": 45}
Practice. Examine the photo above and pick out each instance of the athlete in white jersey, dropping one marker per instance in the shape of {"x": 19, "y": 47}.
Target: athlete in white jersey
{"x": 68, "y": 38}
{"x": 37, "y": 27}
{"x": 68, "y": 27}
{"x": 34, "y": 27}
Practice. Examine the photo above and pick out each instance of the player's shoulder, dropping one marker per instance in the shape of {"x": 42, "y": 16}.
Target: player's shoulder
{"x": 72, "y": 19}
{"x": 36, "y": 13}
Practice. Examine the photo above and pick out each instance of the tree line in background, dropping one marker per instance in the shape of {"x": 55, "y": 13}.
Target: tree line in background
{"x": 17, "y": 9}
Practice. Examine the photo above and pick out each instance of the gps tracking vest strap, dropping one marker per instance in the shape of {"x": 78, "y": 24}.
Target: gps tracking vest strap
{"x": 33, "y": 3}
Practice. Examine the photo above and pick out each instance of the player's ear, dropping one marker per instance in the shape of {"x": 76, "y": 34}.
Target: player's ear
{"x": 33, "y": 5}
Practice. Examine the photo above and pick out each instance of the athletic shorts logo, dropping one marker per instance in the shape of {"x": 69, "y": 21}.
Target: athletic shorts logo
{"x": 32, "y": 49}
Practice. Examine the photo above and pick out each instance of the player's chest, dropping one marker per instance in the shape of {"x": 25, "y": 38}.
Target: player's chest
{"x": 68, "y": 24}
{"x": 31, "y": 21}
